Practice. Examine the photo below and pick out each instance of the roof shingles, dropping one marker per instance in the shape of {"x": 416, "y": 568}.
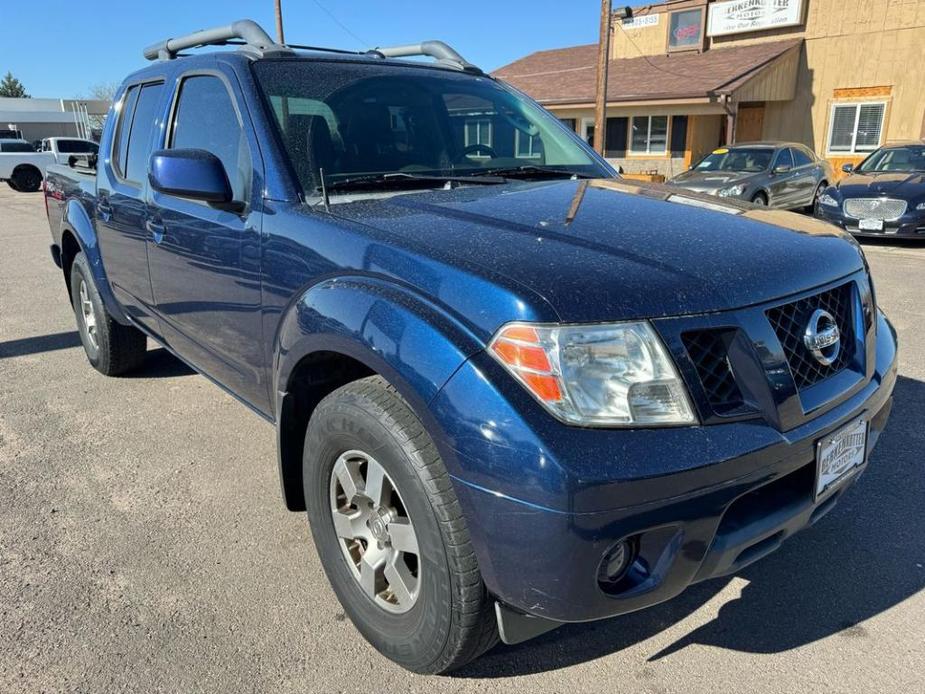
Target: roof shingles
{"x": 568, "y": 75}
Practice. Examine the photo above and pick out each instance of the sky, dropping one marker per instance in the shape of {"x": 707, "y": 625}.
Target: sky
{"x": 61, "y": 48}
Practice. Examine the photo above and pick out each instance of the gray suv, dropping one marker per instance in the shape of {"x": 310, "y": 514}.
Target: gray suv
{"x": 787, "y": 175}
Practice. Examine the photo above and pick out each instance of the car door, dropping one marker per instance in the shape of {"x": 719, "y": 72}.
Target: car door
{"x": 121, "y": 207}
{"x": 205, "y": 261}
{"x": 780, "y": 182}
{"x": 805, "y": 176}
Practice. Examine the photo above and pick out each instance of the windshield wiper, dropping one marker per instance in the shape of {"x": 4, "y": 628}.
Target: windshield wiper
{"x": 531, "y": 171}
{"x": 400, "y": 179}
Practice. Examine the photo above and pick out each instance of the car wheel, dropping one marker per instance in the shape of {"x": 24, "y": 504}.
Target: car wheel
{"x": 27, "y": 179}
{"x": 390, "y": 533}
{"x": 760, "y": 199}
{"x": 820, "y": 189}
{"x": 112, "y": 348}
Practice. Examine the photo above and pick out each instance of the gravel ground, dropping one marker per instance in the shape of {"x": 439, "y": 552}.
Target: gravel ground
{"x": 144, "y": 546}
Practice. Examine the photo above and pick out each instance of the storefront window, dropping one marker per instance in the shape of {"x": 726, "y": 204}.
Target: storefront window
{"x": 650, "y": 135}
{"x": 685, "y": 29}
{"x": 856, "y": 127}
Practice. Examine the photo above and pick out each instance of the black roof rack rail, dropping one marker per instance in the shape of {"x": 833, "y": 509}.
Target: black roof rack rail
{"x": 251, "y": 35}
{"x": 444, "y": 54}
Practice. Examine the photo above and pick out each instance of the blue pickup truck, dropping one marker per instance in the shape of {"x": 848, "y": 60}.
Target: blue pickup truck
{"x": 510, "y": 388}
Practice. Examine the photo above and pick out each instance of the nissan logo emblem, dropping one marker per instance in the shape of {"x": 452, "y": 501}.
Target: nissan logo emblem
{"x": 822, "y": 337}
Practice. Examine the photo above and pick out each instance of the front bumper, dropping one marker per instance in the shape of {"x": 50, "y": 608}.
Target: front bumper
{"x": 702, "y": 501}
{"x": 910, "y": 225}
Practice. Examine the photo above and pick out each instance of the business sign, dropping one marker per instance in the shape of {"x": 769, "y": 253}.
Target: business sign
{"x": 739, "y": 16}
{"x": 685, "y": 28}
{"x": 645, "y": 20}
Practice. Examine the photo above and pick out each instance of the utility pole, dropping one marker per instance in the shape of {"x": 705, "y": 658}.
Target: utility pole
{"x": 603, "y": 57}
{"x": 280, "y": 37}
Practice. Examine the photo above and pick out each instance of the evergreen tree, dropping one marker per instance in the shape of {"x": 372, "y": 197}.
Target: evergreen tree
{"x": 10, "y": 86}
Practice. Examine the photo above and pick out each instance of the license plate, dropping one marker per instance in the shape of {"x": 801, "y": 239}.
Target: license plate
{"x": 870, "y": 224}
{"x": 839, "y": 453}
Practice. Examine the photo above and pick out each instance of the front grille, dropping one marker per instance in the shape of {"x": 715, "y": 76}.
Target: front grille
{"x": 875, "y": 208}
{"x": 708, "y": 350}
{"x": 790, "y": 321}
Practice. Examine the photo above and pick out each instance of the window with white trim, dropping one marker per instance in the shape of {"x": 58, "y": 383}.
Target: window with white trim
{"x": 478, "y": 132}
{"x": 649, "y": 135}
{"x": 526, "y": 146}
{"x": 856, "y": 127}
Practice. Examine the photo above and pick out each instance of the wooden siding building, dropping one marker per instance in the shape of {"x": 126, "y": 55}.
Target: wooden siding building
{"x": 687, "y": 76}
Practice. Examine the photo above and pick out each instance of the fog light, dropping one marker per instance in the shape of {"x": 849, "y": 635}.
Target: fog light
{"x": 616, "y": 562}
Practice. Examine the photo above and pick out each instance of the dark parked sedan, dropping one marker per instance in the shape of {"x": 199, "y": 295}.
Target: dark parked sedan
{"x": 883, "y": 196}
{"x": 777, "y": 174}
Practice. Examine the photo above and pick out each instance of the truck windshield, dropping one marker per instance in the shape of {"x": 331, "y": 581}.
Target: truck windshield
{"x": 16, "y": 147}
{"x": 368, "y": 121}
{"x": 745, "y": 160}
{"x": 911, "y": 158}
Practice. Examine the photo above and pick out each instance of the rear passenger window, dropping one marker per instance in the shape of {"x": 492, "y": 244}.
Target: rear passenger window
{"x": 800, "y": 158}
{"x": 139, "y": 141}
{"x": 120, "y": 142}
{"x": 206, "y": 118}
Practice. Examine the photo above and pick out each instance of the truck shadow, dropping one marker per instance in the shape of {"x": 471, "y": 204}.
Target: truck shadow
{"x": 866, "y": 556}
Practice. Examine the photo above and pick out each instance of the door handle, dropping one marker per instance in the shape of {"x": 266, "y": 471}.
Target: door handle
{"x": 104, "y": 209}
{"x": 156, "y": 228}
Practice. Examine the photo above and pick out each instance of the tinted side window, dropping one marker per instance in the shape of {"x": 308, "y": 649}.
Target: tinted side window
{"x": 77, "y": 146}
{"x": 205, "y": 118}
{"x": 784, "y": 158}
{"x": 139, "y": 141}
{"x": 120, "y": 141}
{"x": 800, "y": 158}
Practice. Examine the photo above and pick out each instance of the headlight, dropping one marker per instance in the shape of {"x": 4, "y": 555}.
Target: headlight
{"x": 920, "y": 206}
{"x": 732, "y": 191}
{"x": 596, "y": 375}
{"x": 828, "y": 200}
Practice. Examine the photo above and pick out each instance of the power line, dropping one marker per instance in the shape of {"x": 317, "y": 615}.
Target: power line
{"x": 646, "y": 58}
{"x": 339, "y": 23}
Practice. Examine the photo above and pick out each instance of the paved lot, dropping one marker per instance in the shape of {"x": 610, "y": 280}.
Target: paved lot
{"x": 144, "y": 547}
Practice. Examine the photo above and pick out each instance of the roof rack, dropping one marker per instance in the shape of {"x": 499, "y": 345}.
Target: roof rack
{"x": 254, "y": 40}
{"x": 442, "y": 52}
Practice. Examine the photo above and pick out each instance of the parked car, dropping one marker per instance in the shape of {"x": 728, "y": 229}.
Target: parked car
{"x": 776, "y": 174}
{"x": 883, "y": 196}
{"x": 21, "y": 166}
{"x": 509, "y": 392}
{"x": 64, "y": 147}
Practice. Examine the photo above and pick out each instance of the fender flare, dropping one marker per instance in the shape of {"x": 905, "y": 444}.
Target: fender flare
{"x": 413, "y": 343}
{"x": 77, "y": 222}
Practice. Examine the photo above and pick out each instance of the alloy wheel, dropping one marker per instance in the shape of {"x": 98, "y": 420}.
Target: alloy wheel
{"x": 88, "y": 314}
{"x": 375, "y": 532}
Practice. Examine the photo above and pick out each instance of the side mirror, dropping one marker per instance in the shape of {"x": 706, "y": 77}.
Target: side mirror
{"x": 191, "y": 173}
{"x": 782, "y": 168}
{"x": 847, "y": 168}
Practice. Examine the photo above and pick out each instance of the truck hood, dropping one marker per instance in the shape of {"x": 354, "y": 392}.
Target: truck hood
{"x": 606, "y": 250}
{"x": 901, "y": 184}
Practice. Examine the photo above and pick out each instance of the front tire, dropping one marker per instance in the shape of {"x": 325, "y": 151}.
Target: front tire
{"x": 390, "y": 532}
{"x": 760, "y": 199}
{"x": 111, "y": 348}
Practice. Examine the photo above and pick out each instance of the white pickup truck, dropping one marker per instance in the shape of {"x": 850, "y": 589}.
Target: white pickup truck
{"x": 21, "y": 166}
{"x": 64, "y": 147}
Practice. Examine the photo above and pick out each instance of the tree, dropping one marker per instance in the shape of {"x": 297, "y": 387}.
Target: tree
{"x": 10, "y": 86}
{"x": 103, "y": 91}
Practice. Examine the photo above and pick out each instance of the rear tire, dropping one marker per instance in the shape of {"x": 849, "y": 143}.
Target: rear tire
{"x": 448, "y": 619}
{"x": 26, "y": 179}
{"x": 111, "y": 348}
{"x": 814, "y": 203}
